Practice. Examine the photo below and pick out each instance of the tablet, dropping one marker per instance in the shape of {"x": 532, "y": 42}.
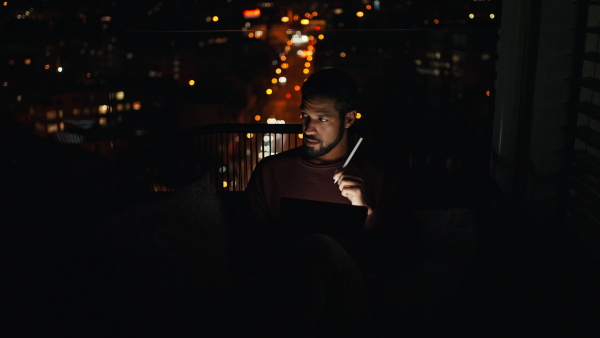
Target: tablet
{"x": 305, "y": 217}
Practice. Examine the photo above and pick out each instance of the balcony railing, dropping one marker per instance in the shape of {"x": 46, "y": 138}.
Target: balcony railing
{"x": 226, "y": 154}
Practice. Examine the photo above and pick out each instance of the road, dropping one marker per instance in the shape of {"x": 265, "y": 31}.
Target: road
{"x": 286, "y": 98}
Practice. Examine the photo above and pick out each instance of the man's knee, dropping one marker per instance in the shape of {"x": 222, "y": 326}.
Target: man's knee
{"x": 320, "y": 247}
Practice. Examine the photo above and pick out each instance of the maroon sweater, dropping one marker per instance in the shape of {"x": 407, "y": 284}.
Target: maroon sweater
{"x": 288, "y": 175}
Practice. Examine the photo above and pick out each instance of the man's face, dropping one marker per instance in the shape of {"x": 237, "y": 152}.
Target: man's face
{"x": 323, "y": 129}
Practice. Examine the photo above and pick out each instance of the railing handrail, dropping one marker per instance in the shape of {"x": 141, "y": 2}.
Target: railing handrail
{"x": 228, "y": 152}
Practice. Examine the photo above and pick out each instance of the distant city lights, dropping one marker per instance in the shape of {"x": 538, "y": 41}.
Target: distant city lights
{"x": 282, "y": 79}
{"x": 471, "y": 16}
{"x": 360, "y": 14}
{"x": 192, "y": 82}
{"x": 256, "y": 118}
{"x": 273, "y": 120}
{"x": 299, "y": 38}
{"x": 492, "y": 16}
{"x": 304, "y": 53}
{"x": 285, "y": 19}
{"x": 59, "y": 69}
{"x": 269, "y": 91}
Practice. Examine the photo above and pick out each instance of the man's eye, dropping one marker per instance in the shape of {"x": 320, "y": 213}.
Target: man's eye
{"x": 322, "y": 119}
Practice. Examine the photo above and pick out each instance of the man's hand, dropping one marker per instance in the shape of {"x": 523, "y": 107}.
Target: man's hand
{"x": 352, "y": 187}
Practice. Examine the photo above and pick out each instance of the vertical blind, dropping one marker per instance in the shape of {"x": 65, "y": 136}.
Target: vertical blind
{"x": 584, "y": 128}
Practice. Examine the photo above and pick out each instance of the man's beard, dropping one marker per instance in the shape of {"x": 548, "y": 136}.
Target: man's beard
{"x": 323, "y": 150}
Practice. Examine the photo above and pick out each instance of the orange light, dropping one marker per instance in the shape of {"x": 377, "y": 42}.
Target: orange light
{"x": 256, "y": 118}
{"x": 487, "y": 93}
{"x": 436, "y": 21}
{"x": 358, "y": 115}
{"x": 251, "y": 13}
{"x": 296, "y": 88}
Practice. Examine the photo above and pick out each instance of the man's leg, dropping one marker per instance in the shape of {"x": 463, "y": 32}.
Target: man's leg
{"x": 327, "y": 290}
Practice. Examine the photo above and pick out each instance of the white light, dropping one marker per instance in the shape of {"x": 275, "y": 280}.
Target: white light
{"x": 59, "y": 69}
{"x": 282, "y": 79}
{"x": 299, "y": 38}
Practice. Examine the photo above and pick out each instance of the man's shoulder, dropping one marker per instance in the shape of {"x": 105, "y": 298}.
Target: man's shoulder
{"x": 282, "y": 157}
{"x": 280, "y": 161}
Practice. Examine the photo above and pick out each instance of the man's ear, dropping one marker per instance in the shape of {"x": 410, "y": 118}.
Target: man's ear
{"x": 350, "y": 118}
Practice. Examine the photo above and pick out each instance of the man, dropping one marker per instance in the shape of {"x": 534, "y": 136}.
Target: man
{"x": 321, "y": 276}
{"x": 329, "y": 99}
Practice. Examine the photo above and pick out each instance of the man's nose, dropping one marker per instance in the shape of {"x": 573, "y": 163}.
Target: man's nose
{"x": 309, "y": 127}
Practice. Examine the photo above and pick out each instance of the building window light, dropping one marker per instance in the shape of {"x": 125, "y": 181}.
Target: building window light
{"x": 52, "y": 128}
{"x": 51, "y": 115}
{"x": 103, "y": 109}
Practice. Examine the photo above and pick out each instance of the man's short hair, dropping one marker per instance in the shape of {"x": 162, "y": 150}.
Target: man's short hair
{"x": 332, "y": 83}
